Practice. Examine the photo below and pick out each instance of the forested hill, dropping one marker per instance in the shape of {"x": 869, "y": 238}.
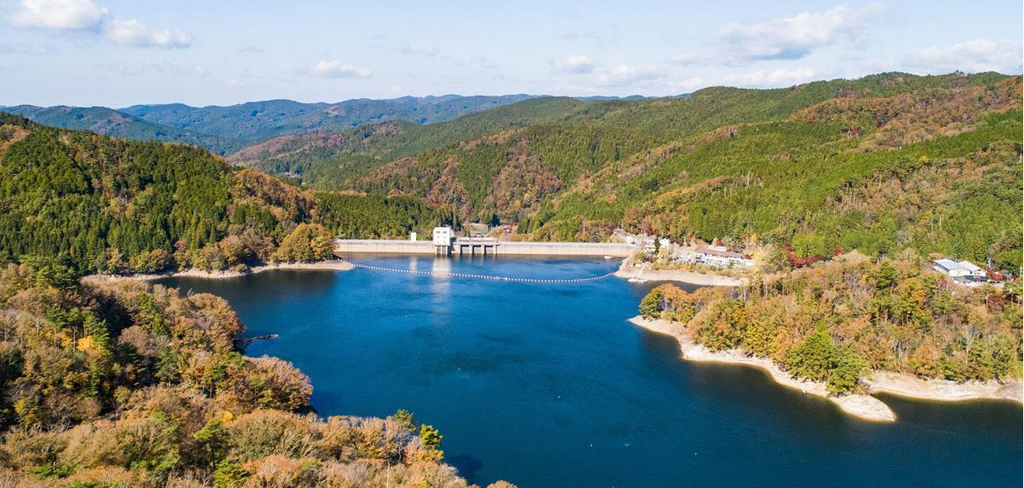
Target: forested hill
{"x": 101, "y": 204}
{"x": 881, "y": 163}
{"x": 224, "y": 129}
{"x": 325, "y": 158}
{"x": 111, "y": 122}
{"x": 258, "y": 121}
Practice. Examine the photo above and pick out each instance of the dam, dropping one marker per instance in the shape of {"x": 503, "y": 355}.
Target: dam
{"x": 495, "y": 247}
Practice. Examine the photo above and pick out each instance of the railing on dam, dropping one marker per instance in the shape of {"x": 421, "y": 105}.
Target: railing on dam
{"x": 488, "y": 241}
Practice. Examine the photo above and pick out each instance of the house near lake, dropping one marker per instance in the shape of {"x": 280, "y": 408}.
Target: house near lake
{"x": 719, "y": 257}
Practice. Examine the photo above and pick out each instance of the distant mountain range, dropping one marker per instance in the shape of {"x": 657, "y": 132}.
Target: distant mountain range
{"x": 112, "y": 122}
{"x": 225, "y": 129}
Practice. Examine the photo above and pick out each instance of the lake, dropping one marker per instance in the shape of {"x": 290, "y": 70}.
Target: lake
{"x": 548, "y": 385}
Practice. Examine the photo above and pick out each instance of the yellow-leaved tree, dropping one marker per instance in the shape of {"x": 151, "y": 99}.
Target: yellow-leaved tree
{"x": 308, "y": 242}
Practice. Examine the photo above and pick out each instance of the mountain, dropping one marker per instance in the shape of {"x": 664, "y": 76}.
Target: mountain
{"x": 227, "y": 129}
{"x": 660, "y": 120}
{"x": 324, "y": 158}
{"x": 117, "y": 205}
{"x": 111, "y": 122}
{"x": 879, "y": 164}
{"x": 259, "y": 121}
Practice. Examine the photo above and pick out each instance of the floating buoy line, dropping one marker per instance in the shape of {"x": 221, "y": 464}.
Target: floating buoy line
{"x": 480, "y": 276}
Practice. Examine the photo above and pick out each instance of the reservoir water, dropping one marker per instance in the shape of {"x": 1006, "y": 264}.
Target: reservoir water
{"x": 549, "y": 386}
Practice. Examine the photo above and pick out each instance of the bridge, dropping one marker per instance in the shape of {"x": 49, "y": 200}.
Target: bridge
{"x": 489, "y": 246}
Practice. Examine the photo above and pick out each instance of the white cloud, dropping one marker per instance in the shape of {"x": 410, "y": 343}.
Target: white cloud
{"x": 625, "y": 75}
{"x": 576, "y": 64}
{"x": 627, "y": 79}
{"x": 972, "y": 56}
{"x": 657, "y": 84}
{"x": 770, "y": 79}
{"x": 58, "y": 14}
{"x": 675, "y": 86}
{"x": 337, "y": 69}
{"x": 132, "y": 33}
{"x": 687, "y": 59}
{"x": 793, "y": 37}
{"x": 87, "y": 16}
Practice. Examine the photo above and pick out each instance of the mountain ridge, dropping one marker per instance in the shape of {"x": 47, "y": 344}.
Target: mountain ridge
{"x": 726, "y": 163}
{"x": 798, "y": 166}
{"x": 227, "y": 128}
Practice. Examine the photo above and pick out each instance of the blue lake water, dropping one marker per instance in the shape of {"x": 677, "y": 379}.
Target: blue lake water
{"x": 550, "y": 386}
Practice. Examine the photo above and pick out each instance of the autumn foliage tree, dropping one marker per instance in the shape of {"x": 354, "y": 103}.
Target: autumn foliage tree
{"x": 307, "y": 243}
{"x": 835, "y": 321}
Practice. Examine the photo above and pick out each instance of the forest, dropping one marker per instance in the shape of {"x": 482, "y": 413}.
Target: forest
{"x": 118, "y": 383}
{"x": 839, "y": 320}
{"x": 880, "y": 164}
{"x": 118, "y": 206}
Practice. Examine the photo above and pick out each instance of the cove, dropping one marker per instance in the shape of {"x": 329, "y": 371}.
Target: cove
{"x": 548, "y": 385}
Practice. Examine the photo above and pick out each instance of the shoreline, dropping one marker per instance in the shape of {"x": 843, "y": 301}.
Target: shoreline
{"x": 627, "y": 271}
{"x": 938, "y": 390}
{"x": 865, "y": 407}
{"x": 331, "y": 265}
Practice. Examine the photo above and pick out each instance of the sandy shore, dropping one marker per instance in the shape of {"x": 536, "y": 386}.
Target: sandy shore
{"x": 863, "y": 406}
{"x": 334, "y": 264}
{"x": 694, "y": 278}
{"x": 943, "y": 390}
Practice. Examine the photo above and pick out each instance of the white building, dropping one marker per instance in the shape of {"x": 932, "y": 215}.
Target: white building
{"x": 721, "y": 257}
{"x": 963, "y": 271}
{"x": 443, "y": 236}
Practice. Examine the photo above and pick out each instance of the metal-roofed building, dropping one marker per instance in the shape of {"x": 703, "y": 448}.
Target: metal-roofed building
{"x": 963, "y": 271}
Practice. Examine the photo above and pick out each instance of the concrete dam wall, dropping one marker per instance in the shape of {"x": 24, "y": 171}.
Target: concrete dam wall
{"x": 343, "y": 246}
{"x": 377, "y": 246}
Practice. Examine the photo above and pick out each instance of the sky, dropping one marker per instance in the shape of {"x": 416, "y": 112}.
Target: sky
{"x": 219, "y": 52}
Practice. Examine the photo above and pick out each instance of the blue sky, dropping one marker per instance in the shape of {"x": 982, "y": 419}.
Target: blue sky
{"x": 117, "y": 53}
